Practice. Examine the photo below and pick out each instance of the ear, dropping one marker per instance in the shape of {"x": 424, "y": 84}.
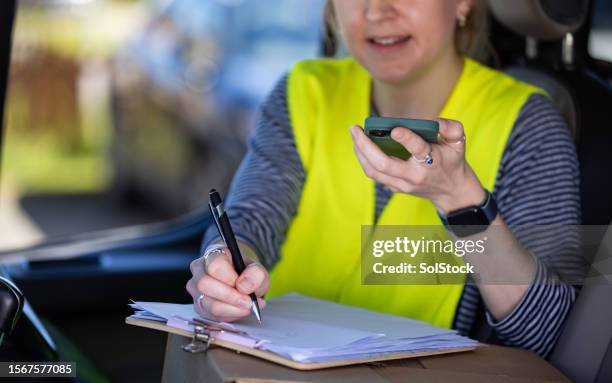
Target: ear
{"x": 465, "y": 6}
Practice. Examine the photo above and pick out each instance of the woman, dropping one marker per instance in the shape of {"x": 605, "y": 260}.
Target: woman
{"x": 307, "y": 184}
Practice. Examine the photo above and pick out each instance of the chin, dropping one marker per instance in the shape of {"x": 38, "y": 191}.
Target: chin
{"x": 390, "y": 74}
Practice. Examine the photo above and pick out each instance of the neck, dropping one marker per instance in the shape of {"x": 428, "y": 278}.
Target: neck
{"x": 422, "y": 95}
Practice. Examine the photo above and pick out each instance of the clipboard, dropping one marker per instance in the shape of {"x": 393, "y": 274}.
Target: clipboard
{"x": 202, "y": 339}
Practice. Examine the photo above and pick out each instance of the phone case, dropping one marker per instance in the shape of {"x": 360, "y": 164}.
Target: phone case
{"x": 378, "y": 129}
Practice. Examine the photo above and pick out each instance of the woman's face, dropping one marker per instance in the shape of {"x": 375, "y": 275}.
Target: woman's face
{"x": 394, "y": 39}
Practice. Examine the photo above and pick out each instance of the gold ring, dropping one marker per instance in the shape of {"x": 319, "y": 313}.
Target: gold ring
{"x": 461, "y": 140}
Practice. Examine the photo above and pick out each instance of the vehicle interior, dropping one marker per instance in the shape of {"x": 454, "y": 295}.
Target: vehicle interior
{"x": 77, "y": 284}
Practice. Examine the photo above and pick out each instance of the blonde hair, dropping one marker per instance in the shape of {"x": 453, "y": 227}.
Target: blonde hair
{"x": 471, "y": 40}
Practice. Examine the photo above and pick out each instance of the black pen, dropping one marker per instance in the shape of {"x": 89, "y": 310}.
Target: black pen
{"x": 226, "y": 232}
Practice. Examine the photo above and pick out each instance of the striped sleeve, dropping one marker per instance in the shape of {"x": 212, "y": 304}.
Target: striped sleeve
{"x": 538, "y": 184}
{"x": 267, "y": 187}
{"x": 535, "y": 324}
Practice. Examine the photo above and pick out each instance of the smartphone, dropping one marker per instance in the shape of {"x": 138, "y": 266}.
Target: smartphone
{"x": 378, "y": 129}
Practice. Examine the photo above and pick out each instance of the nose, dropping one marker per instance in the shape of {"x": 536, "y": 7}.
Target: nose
{"x": 378, "y": 10}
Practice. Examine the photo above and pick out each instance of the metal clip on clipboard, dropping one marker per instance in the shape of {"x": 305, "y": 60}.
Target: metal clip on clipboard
{"x": 200, "y": 342}
{"x": 202, "y": 335}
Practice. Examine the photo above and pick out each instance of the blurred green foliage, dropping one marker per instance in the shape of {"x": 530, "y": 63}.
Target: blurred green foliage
{"x": 43, "y": 161}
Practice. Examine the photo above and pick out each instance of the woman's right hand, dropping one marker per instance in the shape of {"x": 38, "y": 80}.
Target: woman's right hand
{"x": 225, "y": 293}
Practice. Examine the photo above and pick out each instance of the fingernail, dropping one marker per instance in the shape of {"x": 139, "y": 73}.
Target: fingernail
{"x": 396, "y": 133}
{"x": 244, "y": 303}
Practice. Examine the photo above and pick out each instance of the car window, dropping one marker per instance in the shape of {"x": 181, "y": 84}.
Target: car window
{"x": 126, "y": 112}
{"x": 600, "y": 41}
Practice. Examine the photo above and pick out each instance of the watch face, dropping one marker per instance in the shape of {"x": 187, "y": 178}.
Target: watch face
{"x": 469, "y": 216}
{"x": 468, "y": 221}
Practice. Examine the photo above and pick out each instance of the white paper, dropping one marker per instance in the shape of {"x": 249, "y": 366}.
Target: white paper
{"x": 311, "y": 330}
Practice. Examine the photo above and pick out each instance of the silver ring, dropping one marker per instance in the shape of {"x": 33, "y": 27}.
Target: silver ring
{"x": 199, "y": 300}
{"x": 427, "y": 160}
{"x": 214, "y": 250}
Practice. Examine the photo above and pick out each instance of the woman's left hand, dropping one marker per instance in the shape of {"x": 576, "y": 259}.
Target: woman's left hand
{"x": 449, "y": 181}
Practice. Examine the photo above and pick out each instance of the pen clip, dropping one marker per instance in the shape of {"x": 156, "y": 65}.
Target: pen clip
{"x": 213, "y": 211}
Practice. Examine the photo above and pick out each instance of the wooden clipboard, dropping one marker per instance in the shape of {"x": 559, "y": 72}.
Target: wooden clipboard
{"x": 206, "y": 341}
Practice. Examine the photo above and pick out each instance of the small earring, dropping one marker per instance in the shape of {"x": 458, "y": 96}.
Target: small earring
{"x": 462, "y": 20}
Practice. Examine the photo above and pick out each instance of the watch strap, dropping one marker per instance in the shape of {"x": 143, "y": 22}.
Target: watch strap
{"x": 488, "y": 208}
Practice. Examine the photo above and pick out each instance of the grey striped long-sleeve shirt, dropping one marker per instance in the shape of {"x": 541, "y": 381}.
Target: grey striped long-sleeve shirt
{"x": 537, "y": 184}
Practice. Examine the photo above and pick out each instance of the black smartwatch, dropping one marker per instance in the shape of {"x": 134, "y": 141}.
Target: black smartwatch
{"x": 471, "y": 220}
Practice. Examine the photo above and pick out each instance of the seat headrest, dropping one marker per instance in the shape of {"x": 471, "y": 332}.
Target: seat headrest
{"x": 540, "y": 19}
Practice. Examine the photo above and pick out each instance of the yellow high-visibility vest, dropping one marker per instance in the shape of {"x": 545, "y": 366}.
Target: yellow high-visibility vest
{"x": 321, "y": 254}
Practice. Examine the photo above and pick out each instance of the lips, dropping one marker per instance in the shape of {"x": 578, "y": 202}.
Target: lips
{"x": 388, "y": 41}
{"x": 389, "y": 46}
